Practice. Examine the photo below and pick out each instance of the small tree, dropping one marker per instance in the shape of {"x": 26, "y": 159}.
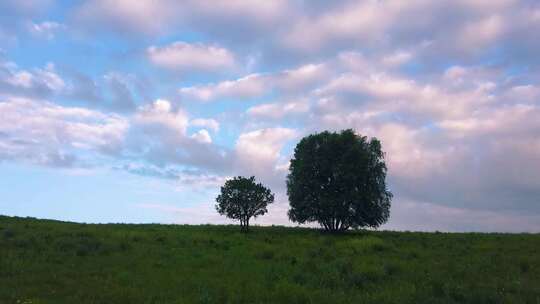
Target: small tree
{"x": 242, "y": 198}
{"x": 338, "y": 180}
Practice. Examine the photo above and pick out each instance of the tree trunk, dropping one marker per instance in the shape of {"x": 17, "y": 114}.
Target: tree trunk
{"x": 244, "y": 224}
{"x": 334, "y": 225}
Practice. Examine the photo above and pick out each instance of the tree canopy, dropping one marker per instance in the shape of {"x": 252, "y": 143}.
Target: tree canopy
{"x": 242, "y": 198}
{"x": 338, "y": 180}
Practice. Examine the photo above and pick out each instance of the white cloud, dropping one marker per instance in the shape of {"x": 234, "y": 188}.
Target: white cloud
{"x": 45, "y": 133}
{"x": 249, "y": 86}
{"x": 209, "y": 123}
{"x": 377, "y": 85}
{"x": 301, "y": 77}
{"x": 255, "y": 85}
{"x": 513, "y": 120}
{"x": 184, "y": 56}
{"x": 143, "y": 16}
{"x": 479, "y": 33}
{"x": 525, "y": 93}
{"x": 160, "y": 114}
{"x": 159, "y": 135}
{"x": 356, "y": 21}
{"x": 455, "y": 73}
{"x": 202, "y": 136}
{"x": 46, "y": 29}
{"x": 456, "y": 29}
{"x": 260, "y": 11}
{"x": 155, "y": 17}
{"x": 403, "y": 94}
{"x": 50, "y": 78}
{"x": 279, "y": 110}
{"x": 259, "y": 153}
{"x": 397, "y": 58}
{"x": 32, "y": 81}
{"x": 264, "y": 144}
{"x": 459, "y": 29}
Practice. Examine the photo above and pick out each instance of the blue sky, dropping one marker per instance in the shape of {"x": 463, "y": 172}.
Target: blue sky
{"x": 137, "y": 111}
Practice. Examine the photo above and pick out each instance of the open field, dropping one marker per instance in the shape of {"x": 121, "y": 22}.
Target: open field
{"x": 45, "y": 261}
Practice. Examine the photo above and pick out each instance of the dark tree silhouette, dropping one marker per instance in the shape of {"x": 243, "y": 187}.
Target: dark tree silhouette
{"x": 338, "y": 180}
{"x": 242, "y": 198}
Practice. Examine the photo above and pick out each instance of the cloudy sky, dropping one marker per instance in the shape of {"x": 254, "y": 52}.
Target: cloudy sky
{"x": 137, "y": 111}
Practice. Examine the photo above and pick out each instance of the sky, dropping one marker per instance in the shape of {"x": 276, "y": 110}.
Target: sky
{"x": 138, "y": 111}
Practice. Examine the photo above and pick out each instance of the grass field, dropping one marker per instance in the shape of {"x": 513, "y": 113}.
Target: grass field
{"x": 45, "y": 261}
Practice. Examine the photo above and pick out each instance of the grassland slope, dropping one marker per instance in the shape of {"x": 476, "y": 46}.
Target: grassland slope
{"x": 44, "y": 261}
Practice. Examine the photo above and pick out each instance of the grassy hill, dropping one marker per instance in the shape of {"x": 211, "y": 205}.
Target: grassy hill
{"x": 45, "y": 261}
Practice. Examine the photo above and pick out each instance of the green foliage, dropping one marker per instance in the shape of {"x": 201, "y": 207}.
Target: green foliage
{"x": 56, "y": 262}
{"x": 338, "y": 180}
{"x": 242, "y": 198}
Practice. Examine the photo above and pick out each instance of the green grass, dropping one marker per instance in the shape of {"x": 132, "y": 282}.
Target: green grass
{"x": 45, "y": 261}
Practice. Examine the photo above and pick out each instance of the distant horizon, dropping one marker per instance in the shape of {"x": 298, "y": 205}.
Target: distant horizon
{"x": 292, "y": 225}
{"x": 123, "y": 112}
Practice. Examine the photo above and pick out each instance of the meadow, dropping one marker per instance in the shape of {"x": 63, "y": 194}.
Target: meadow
{"x": 43, "y": 261}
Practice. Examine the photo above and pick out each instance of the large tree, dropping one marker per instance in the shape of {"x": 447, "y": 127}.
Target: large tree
{"x": 338, "y": 180}
{"x": 242, "y": 198}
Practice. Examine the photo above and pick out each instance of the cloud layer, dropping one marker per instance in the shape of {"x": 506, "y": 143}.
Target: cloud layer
{"x": 198, "y": 91}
